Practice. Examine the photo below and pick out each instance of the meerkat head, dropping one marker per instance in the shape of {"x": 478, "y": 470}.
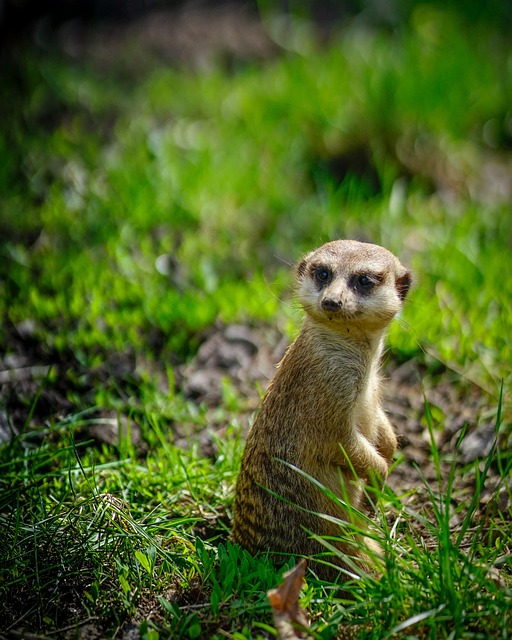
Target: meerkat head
{"x": 348, "y": 282}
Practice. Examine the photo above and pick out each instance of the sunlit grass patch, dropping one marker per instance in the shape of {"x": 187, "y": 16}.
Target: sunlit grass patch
{"x": 188, "y": 169}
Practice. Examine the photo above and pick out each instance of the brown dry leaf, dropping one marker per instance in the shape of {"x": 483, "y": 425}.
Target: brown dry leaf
{"x": 290, "y": 620}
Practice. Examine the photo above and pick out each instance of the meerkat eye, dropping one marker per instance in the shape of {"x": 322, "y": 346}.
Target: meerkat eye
{"x": 322, "y": 275}
{"x": 365, "y": 281}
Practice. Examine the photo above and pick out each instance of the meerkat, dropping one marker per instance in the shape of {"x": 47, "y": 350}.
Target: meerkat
{"x": 322, "y": 412}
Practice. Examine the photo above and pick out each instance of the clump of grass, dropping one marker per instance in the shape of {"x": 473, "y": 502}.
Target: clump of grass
{"x": 84, "y": 537}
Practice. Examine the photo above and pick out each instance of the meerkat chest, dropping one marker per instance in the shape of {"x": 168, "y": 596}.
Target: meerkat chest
{"x": 366, "y": 407}
{"x": 348, "y": 375}
{"x": 354, "y": 382}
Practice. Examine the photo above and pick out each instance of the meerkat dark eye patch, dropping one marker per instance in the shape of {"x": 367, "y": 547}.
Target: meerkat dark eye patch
{"x": 322, "y": 275}
{"x": 365, "y": 282}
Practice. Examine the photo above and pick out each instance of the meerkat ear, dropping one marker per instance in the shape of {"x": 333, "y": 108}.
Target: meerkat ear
{"x": 301, "y": 268}
{"x": 403, "y": 283}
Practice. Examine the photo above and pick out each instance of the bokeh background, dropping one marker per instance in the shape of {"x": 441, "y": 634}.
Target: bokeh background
{"x": 162, "y": 166}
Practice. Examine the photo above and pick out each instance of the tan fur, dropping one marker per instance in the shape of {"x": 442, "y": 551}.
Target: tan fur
{"x": 322, "y": 406}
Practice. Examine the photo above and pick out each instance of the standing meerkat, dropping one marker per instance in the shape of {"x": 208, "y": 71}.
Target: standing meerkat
{"x": 322, "y": 411}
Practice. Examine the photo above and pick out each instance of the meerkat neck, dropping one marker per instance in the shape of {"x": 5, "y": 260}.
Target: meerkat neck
{"x": 353, "y": 337}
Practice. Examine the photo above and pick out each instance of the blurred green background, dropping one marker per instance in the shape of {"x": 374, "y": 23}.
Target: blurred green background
{"x": 143, "y": 196}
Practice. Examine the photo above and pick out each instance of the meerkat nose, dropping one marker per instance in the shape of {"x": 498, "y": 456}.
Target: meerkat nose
{"x": 330, "y": 305}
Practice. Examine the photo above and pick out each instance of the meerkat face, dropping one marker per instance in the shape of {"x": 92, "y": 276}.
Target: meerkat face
{"x": 347, "y": 282}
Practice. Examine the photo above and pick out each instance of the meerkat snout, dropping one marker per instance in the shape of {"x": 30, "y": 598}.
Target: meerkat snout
{"x": 328, "y": 304}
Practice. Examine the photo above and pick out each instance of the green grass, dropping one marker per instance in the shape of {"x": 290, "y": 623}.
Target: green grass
{"x": 136, "y": 213}
{"x": 111, "y": 536}
{"x": 209, "y": 165}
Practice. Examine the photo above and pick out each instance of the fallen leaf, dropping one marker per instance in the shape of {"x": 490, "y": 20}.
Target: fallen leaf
{"x": 290, "y": 620}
